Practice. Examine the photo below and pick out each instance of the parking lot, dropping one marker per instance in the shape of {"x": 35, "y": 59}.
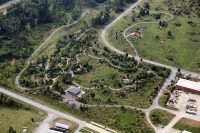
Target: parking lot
{"x": 183, "y": 101}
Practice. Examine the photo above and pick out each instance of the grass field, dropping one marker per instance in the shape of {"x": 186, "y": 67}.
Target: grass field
{"x": 72, "y": 126}
{"x": 182, "y": 50}
{"x": 183, "y": 47}
{"x": 19, "y": 118}
{"x": 119, "y": 119}
{"x": 162, "y": 117}
{"x": 188, "y": 124}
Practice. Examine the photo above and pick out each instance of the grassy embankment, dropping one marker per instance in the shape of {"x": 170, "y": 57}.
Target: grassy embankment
{"x": 19, "y": 118}
{"x": 188, "y": 124}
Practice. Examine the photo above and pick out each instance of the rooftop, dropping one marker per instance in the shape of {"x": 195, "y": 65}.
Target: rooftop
{"x": 73, "y": 89}
{"x": 189, "y": 84}
{"x": 186, "y": 131}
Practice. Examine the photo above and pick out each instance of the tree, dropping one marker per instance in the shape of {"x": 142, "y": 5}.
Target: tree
{"x": 92, "y": 94}
{"x": 9, "y": 101}
{"x": 146, "y": 5}
{"x": 11, "y": 130}
{"x": 133, "y": 19}
{"x": 28, "y": 27}
{"x": 160, "y": 23}
{"x": 169, "y": 33}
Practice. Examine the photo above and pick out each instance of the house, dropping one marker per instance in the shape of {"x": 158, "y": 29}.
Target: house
{"x": 74, "y": 91}
{"x": 188, "y": 86}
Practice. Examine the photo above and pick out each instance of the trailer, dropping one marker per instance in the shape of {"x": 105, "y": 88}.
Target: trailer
{"x": 191, "y": 112}
{"x": 53, "y": 131}
{"x": 62, "y": 126}
{"x": 58, "y": 129}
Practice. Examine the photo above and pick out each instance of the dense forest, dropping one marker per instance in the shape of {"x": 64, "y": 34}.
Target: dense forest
{"x": 20, "y": 18}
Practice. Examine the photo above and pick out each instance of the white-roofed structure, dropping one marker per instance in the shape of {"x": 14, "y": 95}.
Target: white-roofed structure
{"x": 185, "y": 131}
{"x": 188, "y": 86}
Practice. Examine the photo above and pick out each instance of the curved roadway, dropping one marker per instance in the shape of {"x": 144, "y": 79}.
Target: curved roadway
{"x": 82, "y": 123}
{"x": 8, "y": 3}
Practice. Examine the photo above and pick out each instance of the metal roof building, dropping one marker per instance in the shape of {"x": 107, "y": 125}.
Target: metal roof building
{"x": 188, "y": 86}
{"x": 73, "y": 90}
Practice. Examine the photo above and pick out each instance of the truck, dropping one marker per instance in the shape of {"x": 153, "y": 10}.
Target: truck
{"x": 53, "y": 131}
{"x": 191, "y": 106}
{"x": 192, "y": 109}
{"x": 191, "y": 112}
{"x": 62, "y": 126}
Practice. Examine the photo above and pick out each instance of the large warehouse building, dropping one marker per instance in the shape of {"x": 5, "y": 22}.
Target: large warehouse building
{"x": 188, "y": 86}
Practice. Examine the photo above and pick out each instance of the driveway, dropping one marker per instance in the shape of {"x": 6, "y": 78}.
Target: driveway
{"x": 67, "y": 97}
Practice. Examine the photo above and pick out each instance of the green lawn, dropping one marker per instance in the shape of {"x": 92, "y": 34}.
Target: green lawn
{"x": 179, "y": 52}
{"x": 19, "y": 118}
{"x": 72, "y": 126}
{"x": 162, "y": 117}
{"x": 188, "y": 124}
{"x": 121, "y": 120}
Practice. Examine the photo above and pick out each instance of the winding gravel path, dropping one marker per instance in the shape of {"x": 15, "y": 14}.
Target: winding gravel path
{"x": 82, "y": 123}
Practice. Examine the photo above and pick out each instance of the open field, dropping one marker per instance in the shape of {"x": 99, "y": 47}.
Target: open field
{"x": 19, "y": 118}
{"x": 183, "y": 47}
{"x": 72, "y": 126}
{"x": 182, "y": 50}
{"x": 188, "y": 124}
{"x": 119, "y": 119}
{"x": 160, "y": 117}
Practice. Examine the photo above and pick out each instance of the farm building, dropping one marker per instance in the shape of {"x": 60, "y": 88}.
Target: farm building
{"x": 188, "y": 86}
{"x": 74, "y": 91}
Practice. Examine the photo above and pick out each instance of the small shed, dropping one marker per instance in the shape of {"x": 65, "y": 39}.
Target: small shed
{"x": 74, "y": 91}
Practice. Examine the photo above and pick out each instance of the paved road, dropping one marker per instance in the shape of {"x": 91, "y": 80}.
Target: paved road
{"x": 45, "y": 108}
{"x": 103, "y": 34}
{"x": 82, "y": 123}
{"x": 8, "y": 3}
{"x": 44, "y": 126}
{"x": 174, "y": 70}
